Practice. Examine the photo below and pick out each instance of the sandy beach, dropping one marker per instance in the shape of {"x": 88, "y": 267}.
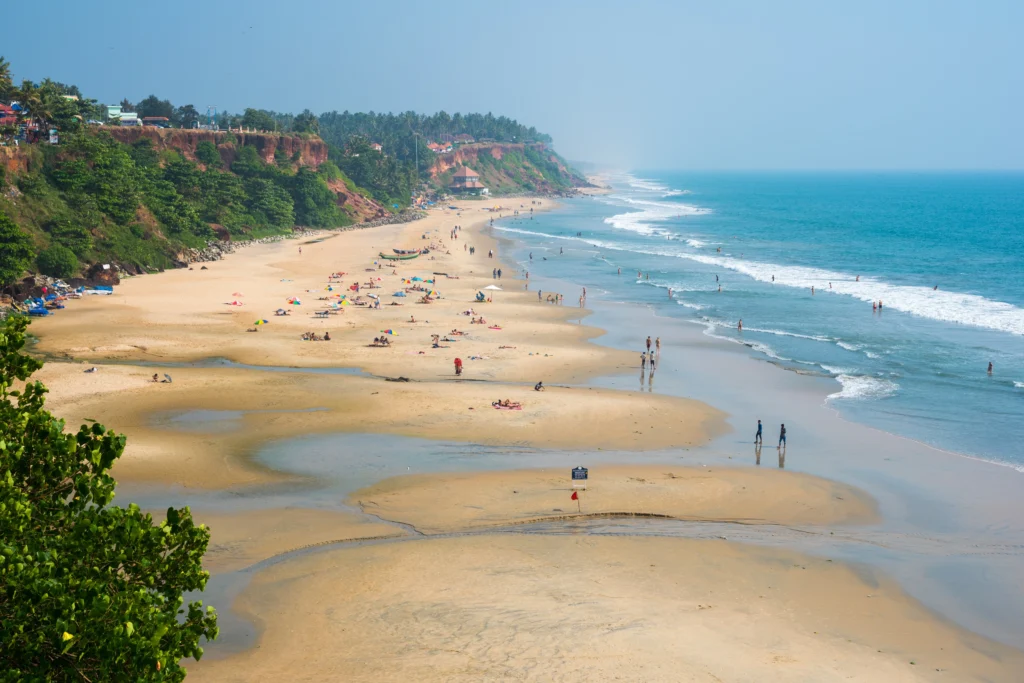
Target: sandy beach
{"x": 357, "y": 591}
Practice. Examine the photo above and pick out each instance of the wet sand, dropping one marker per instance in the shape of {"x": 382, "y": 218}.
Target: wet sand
{"x": 499, "y": 607}
{"x": 436, "y": 503}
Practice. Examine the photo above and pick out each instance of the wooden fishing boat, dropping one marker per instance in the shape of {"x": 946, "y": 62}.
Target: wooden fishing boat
{"x": 406, "y": 252}
{"x": 399, "y": 257}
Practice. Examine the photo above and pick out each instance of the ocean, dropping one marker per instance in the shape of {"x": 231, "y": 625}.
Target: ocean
{"x": 942, "y": 252}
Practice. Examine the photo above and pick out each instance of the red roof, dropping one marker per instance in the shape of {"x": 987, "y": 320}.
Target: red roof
{"x": 466, "y": 172}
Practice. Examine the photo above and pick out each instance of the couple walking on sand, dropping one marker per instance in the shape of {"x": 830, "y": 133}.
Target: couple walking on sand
{"x": 782, "y": 435}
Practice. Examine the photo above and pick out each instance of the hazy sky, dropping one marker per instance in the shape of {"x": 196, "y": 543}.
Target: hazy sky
{"x": 702, "y": 85}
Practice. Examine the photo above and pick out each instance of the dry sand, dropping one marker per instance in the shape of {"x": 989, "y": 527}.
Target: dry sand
{"x": 567, "y": 418}
{"x": 500, "y": 607}
{"x": 436, "y": 503}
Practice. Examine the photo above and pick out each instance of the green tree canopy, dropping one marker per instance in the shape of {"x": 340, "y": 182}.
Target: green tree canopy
{"x": 154, "y": 106}
{"x": 207, "y": 153}
{"x": 88, "y": 591}
{"x": 186, "y": 117}
{"x": 306, "y": 122}
{"x": 57, "y": 261}
{"x": 259, "y": 119}
{"x": 15, "y": 251}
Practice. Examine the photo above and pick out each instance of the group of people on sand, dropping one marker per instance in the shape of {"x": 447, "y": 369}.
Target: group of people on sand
{"x": 550, "y": 298}
{"x": 313, "y": 336}
{"x": 651, "y": 357}
{"x": 478, "y": 321}
{"x": 381, "y": 341}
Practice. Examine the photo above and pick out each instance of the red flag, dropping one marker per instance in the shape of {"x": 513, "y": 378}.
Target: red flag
{"x": 575, "y": 496}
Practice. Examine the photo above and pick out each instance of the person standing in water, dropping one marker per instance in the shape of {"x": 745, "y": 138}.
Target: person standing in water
{"x": 990, "y": 367}
{"x": 782, "y": 436}
{"x": 757, "y": 437}
{"x": 643, "y": 361}
{"x": 648, "y": 344}
{"x": 657, "y": 346}
{"x": 739, "y": 327}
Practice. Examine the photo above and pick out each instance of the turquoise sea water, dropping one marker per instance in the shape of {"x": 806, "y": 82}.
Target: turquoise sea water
{"x": 944, "y": 253}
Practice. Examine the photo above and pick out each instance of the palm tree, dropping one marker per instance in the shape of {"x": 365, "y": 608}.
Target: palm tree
{"x": 6, "y": 86}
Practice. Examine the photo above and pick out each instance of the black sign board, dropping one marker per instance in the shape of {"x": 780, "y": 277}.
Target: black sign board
{"x": 579, "y": 473}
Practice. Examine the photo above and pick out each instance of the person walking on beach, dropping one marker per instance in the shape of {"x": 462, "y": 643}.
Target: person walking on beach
{"x": 499, "y": 273}
{"x": 458, "y": 367}
{"x": 652, "y": 364}
{"x": 657, "y": 346}
{"x": 782, "y": 436}
{"x": 648, "y": 344}
{"x": 757, "y": 437}
{"x": 494, "y": 273}
{"x": 643, "y": 361}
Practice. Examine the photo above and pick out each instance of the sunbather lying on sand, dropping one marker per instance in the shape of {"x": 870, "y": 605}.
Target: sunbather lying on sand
{"x": 506, "y": 404}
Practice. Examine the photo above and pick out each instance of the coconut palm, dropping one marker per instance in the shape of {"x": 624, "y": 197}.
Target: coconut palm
{"x": 6, "y": 86}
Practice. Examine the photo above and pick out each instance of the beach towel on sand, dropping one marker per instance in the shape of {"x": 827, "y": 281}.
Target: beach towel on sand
{"x": 497, "y": 407}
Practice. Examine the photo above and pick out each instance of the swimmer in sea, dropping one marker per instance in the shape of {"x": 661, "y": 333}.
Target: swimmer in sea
{"x": 740, "y": 326}
{"x": 990, "y": 367}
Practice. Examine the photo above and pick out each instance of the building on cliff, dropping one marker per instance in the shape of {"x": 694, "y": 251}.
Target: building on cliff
{"x": 467, "y": 180}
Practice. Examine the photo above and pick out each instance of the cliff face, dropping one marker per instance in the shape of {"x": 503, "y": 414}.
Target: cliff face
{"x": 312, "y": 151}
{"x": 14, "y": 160}
{"x": 507, "y": 168}
{"x": 357, "y": 206}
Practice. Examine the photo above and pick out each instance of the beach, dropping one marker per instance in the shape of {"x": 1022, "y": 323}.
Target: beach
{"x": 480, "y": 565}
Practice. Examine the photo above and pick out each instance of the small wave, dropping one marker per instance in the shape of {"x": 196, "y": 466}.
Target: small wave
{"x": 1019, "y": 385}
{"x": 709, "y": 330}
{"x": 646, "y": 184}
{"x": 692, "y": 306}
{"x": 863, "y": 387}
{"x": 676, "y": 193}
{"x": 696, "y": 244}
{"x": 783, "y": 333}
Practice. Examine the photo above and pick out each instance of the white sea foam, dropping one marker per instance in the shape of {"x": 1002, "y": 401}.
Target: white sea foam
{"x": 863, "y": 387}
{"x": 1019, "y": 385}
{"x": 945, "y": 306}
{"x": 651, "y": 212}
{"x": 711, "y": 325}
{"x": 676, "y": 193}
{"x": 696, "y": 244}
{"x": 645, "y": 184}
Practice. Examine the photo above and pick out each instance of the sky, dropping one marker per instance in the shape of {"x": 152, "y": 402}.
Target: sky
{"x": 927, "y": 85}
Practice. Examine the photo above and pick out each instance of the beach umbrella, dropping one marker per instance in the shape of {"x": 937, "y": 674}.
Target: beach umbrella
{"x": 417, "y": 279}
{"x": 260, "y": 322}
{"x": 398, "y": 294}
{"x": 372, "y": 296}
{"x": 169, "y": 380}
{"x": 389, "y": 331}
{"x": 494, "y": 288}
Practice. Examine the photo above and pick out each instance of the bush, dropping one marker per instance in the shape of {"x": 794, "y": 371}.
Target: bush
{"x": 89, "y": 591}
{"x": 207, "y": 153}
{"x": 57, "y": 261}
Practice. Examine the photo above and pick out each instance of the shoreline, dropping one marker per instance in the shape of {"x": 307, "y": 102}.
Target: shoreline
{"x": 269, "y": 400}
